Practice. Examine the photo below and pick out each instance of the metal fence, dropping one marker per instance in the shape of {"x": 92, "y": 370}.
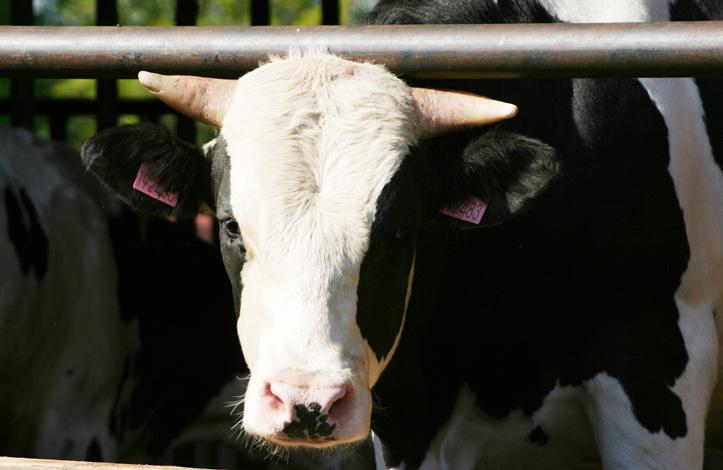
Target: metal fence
{"x": 427, "y": 51}
{"x": 23, "y": 107}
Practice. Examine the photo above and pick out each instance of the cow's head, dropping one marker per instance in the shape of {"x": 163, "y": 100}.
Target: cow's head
{"x": 317, "y": 191}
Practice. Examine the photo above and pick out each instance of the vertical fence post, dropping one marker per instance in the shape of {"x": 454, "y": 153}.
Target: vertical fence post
{"x": 329, "y": 12}
{"x": 186, "y": 15}
{"x": 106, "y": 14}
{"x": 59, "y": 126}
{"x": 260, "y": 12}
{"x": 22, "y": 109}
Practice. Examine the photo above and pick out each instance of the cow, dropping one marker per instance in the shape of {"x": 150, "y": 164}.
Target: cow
{"x": 57, "y": 305}
{"x": 536, "y": 292}
{"x": 90, "y": 366}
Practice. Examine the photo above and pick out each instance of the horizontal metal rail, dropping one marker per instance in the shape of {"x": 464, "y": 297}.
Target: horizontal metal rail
{"x": 419, "y": 51}
{"x": 11, "y": 463}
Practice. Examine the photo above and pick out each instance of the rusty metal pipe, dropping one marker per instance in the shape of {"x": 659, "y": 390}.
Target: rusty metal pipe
{"x": 425, "y": 51}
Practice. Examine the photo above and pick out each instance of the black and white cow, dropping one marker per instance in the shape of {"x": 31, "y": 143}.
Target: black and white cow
{"x": 57, "y": 305}
{"x": 573, "y": 326}
{"x": 90, "y": 363}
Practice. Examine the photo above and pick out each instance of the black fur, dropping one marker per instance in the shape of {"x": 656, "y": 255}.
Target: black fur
{"x": 538, "y": 436}
{"x": 507, "y": 170}
{"x": 26, "y": 233}
{"x": 115, "y": 156}
{"x": 696, "y": 10}
{"x": 177, "y": 289}
{"x": 384, "y": 274}
{"x": 94, "y": 452}
{"x": 17, "y": 232}
{"x": 578, "y": 283}
{"x": 711, "y": 91}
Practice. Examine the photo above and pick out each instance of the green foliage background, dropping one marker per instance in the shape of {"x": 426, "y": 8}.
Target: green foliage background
{"x": 151, "y": 13}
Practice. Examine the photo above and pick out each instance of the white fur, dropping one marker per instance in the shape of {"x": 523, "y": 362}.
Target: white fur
{"x": 608, "y": 11}
{"x": 699, "y": 187}
{"x": 312, "y": 141}
{"x": 472, "y": 439}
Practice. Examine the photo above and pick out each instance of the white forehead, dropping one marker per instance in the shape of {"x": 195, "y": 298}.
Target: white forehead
{"x": 312, "y": 140}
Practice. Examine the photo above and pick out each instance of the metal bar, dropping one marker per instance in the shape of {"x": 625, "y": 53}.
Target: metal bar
{"x": 427, "y": 51}
{"x": 12, "y": 463}
{"x": 329, "y": 12}
{"x": 260, "y": 12}
{"x": 186, "y": 12}
{"x": 59, "y": 127}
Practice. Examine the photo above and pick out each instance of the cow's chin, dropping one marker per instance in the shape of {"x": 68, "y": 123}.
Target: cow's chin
{"x": 307, "y": 419}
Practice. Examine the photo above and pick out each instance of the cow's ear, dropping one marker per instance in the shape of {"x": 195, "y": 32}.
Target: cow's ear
{"x": 500, "y": 173}
{"x": 150, "y": 169}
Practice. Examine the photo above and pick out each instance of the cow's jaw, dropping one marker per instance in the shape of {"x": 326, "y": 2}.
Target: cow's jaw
{"x": 312, "y": 142}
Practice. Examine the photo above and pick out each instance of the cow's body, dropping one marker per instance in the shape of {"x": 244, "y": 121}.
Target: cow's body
{"x": 579, "y": 331}
{"x": 57, "y": 305}
{"x": 90, "y": 366}
{"x": 585, "y": 329}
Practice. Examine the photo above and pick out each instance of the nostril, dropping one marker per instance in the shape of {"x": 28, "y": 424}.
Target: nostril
{"x": 334, "y": 398}
{"x": 275, "y": 399}
{"x": 341, "y": 404}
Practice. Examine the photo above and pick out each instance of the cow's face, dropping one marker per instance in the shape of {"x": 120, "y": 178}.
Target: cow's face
{"x": 317, "y": 202}
{"x": 312, "y": 145}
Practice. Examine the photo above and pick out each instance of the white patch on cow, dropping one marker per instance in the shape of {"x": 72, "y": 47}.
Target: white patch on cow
{"x": 50, "y": 328}
{"x": 699, "y": 187}
{"x": 625, "y": 444}
{"x": 472, "y": 439}
{"x": 608, "y": 11}
{"x": 378, "y": 452}
{"x": 312, "y": 141}
{"x": 377, "y": 365}
{"x": 698, "y": 184}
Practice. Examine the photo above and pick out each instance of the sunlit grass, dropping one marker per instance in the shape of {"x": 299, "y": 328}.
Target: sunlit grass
{"x": 64, "y": 88}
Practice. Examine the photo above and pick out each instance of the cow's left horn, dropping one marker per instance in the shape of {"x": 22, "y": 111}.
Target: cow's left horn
{"x": 442, "y": 111}
{"x": 204, "y": 99}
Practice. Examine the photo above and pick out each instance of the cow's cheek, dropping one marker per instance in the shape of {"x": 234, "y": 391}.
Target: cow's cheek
{"x": 251, "y": 324}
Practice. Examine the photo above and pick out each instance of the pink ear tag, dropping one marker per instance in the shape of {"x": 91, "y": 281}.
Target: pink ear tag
{"x": 145, "y": 184}
{"x": 470, "y": 210}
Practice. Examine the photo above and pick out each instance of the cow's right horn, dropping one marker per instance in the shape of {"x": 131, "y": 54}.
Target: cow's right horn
{"x": 204, "y": 99}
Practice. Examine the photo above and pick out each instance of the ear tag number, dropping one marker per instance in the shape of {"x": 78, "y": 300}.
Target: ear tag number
{"x": 145, "y": 184}
{"x": 470, "y": 210}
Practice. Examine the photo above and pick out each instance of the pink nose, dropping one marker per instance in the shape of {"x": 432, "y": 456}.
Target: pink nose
{"x": 310, "y": 413}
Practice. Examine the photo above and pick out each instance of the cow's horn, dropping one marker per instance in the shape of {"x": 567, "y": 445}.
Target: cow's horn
{"x": 204, "y": 99}
{"x": 442, "y": 111}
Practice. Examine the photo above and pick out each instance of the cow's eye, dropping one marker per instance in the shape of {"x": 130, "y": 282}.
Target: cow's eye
{"x": 230, "y": 226}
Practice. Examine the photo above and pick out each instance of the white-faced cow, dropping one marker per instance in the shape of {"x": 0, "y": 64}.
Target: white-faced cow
{"x": 573, "y": 325}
